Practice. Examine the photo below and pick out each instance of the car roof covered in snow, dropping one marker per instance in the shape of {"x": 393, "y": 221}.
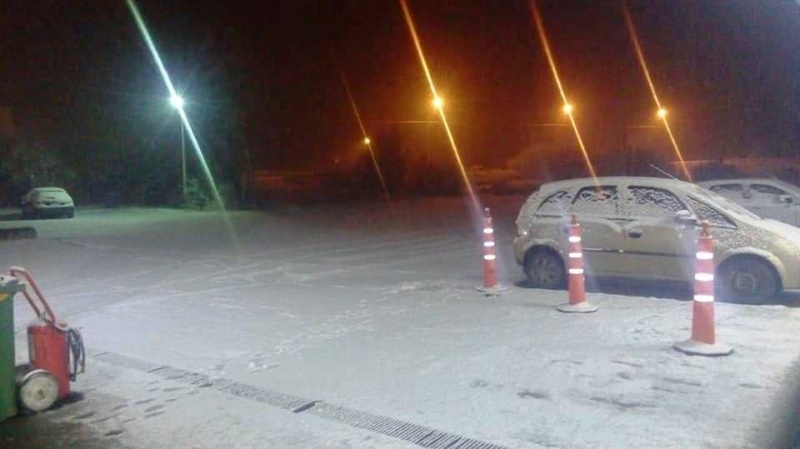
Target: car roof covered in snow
{"x": 617, "y": 180}
{"x": 717, "y": 182}
{"x": 49, "y": 189}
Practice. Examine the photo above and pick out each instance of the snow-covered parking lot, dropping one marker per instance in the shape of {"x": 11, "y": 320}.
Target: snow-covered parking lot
{"x": 348, "y": 326}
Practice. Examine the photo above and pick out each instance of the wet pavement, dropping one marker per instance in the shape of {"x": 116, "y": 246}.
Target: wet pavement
{"x": 46, "y": 430}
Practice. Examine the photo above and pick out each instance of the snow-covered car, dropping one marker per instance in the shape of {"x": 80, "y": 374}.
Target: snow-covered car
{"x": 769, "y": 198}
{"x": 645, "y": 228}
{"x": 43, "y": 202}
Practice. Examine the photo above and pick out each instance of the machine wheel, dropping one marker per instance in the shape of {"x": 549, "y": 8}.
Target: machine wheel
{"x": 747, "y": 279}
{"x": 545, "y": 269}
{"x": 38, "y": 390}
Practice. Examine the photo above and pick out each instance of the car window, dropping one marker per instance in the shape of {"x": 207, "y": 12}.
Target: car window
{"x": 766, "y": 189}
{"x": 729, "y": 190}
{"x": 654, "y": 202}
{"x": 555, "y": 204}
{"x": 601, "y": 200}
{"x": 706, "y": 212}
{"x": 766, "y": 193}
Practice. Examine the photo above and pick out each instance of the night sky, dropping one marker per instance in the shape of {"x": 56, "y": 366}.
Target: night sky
{"x": 263, "y": 75}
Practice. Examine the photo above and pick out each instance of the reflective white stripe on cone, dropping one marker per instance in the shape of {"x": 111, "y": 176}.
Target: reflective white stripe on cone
{"x": 490, "y": 285}
{"x": 575, "y": 279}
{"x": 703, "y": 341}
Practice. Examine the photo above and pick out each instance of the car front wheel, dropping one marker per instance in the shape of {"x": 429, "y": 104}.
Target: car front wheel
{"x": 747, "y": 279}
{"x": 544, "y": 269}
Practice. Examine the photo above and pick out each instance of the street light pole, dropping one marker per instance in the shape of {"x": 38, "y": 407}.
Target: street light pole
{"x": 183, "y": 161}
{"x": 177, "y": 103}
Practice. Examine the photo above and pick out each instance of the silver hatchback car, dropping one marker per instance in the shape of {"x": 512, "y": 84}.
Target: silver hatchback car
{"x": 645, "y": 228}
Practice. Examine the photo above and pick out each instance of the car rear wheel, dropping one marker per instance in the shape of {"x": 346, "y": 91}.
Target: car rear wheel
{"x": 747, "y": 279}
{"x": 545, "y": 269}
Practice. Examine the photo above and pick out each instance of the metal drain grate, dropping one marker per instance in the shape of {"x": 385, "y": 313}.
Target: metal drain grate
{"x": 402, "y": 430}
{"x": 395, "y": 428}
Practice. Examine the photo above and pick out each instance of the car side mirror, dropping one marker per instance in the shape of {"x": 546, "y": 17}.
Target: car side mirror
{"x": 685, "y": 217}
{"x": 786, "y": 199}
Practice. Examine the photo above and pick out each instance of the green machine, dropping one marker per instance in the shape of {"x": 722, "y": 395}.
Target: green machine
{"x": 9, "y": 286}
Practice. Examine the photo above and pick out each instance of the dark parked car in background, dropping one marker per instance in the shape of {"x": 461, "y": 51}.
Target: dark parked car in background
{"x": 42, "y": 202}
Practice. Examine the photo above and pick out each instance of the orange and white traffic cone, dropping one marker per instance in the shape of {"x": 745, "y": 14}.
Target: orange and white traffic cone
{"x": 577, "y": 290}
{"x": 703, "y": 341}
{"x": 490, "y": 284}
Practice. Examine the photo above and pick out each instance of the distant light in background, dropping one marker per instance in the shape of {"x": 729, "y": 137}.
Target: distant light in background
{"x": 438, "y": 103}
{"x": 174, "y": 97}
{"x": 662, "y": 113}
{"x": 367, "y": 141}
{"x": 418, "y": 45}
{"x": 567, "y": 109}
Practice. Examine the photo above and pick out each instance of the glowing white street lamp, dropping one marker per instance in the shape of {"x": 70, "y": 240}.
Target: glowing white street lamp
{"x": 662, "y": 112}
{"x": 567, "y": 108}
{"x": 438, "y": 103}
{"x": 177, "y": 102}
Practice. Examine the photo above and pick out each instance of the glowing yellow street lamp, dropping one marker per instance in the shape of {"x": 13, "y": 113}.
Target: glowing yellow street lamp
{"x": 567, "y": 108}
{"x": 662, "y": 112}
{"x": 438, "y": 103}
{"x": 367, "y": 141}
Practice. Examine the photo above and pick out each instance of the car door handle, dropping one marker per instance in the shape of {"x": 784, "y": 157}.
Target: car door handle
{"x": 635, "y": 233}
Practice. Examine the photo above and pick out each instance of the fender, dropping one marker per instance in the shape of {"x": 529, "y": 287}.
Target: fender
{"x": 776, "y": 263}
{"x": 549, "y": 243}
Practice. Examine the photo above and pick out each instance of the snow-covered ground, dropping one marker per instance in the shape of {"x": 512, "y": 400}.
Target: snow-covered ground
{"x": 194, "y": 342}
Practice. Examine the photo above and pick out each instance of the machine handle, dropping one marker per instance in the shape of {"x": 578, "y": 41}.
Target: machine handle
{"x": 19, "y": 272}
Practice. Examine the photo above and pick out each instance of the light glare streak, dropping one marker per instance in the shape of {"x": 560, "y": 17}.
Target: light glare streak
{"x": 417, "y": 44}
{"x": 661, "y": 111}
{"x": 367, "y": 140}
{"x": 184, "y": 119}
{"x": 567, "y": 105}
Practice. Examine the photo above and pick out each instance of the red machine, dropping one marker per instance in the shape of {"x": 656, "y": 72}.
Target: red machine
{"x": 51, "y": 342}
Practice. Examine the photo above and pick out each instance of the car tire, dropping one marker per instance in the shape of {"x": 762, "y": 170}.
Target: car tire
{"x": 747, "y": 280}
{"x": 545, "y": 269}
